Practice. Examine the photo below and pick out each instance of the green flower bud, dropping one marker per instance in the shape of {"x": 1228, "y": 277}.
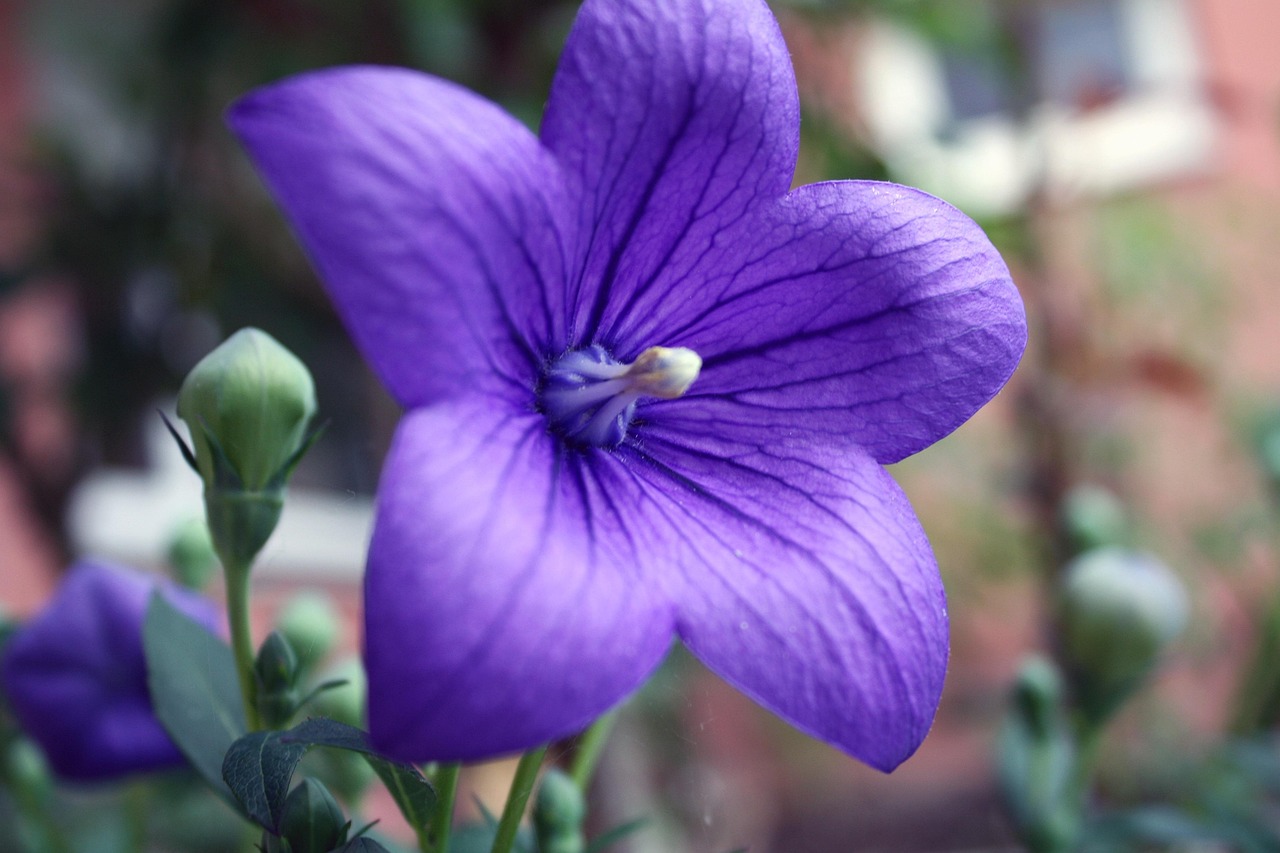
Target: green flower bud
{"x": 191, "y": 554}
{"x": 25, "y": 768}
{"x": 1119, "y": 610}
{"x": 313, "y": 821}
{"x": 558, "y": 812}
{"x": 1092, "y": 517}
{"x": 310, "y": 622}
{"x": 276, "y": 672}
{"x": 1036, "y": 758}
{"x": 248, "y": 405}
{"x": 346, "y": 703}
{"x": 255, "y": 398}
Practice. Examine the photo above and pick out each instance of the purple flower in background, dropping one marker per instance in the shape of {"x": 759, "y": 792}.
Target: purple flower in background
{"x": 554, "y": 509}
{"x": 76, "y": 677}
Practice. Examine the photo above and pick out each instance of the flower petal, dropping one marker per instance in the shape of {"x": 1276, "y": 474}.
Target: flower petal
{"x": 855, "y": 310}
{"x": 804, "y": 579}
{"x": 433, "y": 217}
{"x": 676, "y": 117}
{"x": 76, "y": 675}
{"x": 503, "y": 601}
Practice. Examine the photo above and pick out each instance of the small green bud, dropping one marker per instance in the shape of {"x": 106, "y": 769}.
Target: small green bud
{"x": 1119, "y": 611}
{"x": 248, "y": 405}
{"x": 25, "y": 768}
{"x": 1093, "y": 517}
{"x": 276, "y": 672}
{"x": 256, "y": 399}
{"x": 310, "y": 622}
{"x": 558, "y": 813}
{"x": 313, "y": 821}
{"x": 1036, "y": 757}
{"x": 345, "y": 703}
{"x": 191, "y": 554}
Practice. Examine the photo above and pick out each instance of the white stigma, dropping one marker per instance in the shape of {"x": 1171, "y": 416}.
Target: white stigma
{"x": 590, "y": 398}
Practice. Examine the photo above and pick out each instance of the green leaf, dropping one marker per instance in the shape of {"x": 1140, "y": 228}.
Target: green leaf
{"x": 413, "y": 794}
{"x": 195, "y": 690}
{"x": 259, "y": 767}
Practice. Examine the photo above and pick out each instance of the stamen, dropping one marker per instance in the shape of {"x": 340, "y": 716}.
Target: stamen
{"x": 590, "y": 398}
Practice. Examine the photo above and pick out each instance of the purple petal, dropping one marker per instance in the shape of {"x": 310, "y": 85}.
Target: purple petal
{"x": 854, "y": 310}
{"x": 504, "y": 601}
{"x": 433, "y": 217}
{"x": 76, "y": 676}
{"x": 676, "y": 118}
{"x": 804, "y": 579}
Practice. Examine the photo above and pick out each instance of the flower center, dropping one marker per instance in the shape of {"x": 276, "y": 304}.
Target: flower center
{"x": 590, "y": 398}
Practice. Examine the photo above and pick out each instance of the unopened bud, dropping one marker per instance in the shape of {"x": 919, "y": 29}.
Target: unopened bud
{"x": 191, "y": 554}
{"x": 1093, "y": 517}
{"x": 248, "y": 405}
{"x": 1120, "y": 609}
{"x": 276, "y": 671}
{"x": 310, "y": 622}
{"x": 25, "y": 768}
{"x": 1035, "y": 759}
{"x": 313, "y": 821}
{"x": 255, "y": 399}
{"x": 558, "y": 812}
{"x": 344, "y": 703}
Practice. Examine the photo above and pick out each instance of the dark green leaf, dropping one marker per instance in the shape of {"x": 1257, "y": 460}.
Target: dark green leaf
{"x": 413, "y": 794}
{"x": 194, "y": 688}
{"x": 258, "y": 769}
{"x": 260, "y": 766}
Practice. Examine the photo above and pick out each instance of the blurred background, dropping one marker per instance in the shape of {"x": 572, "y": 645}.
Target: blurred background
{"x": 1123, "y": 154}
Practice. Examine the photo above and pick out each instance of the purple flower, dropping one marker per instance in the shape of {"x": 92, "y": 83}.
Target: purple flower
{"x": 76, "y": 677}
{"x": 553, "y": 511}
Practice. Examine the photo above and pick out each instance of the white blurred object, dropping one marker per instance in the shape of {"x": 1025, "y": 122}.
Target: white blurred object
{"x": 1157, "y": 124}
{"x": 131, "y": 516}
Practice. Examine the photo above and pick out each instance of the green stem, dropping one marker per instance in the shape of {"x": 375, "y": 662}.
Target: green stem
{"x": 590, "y": 745}
{"x": 1258, "y": 701}
{"x": 446, "y": 779}
{"x": 44, "y": 833}
{"x": 242, "y": 638}
{"x": 135, "y": 804}
{"x": 517, "y": 798}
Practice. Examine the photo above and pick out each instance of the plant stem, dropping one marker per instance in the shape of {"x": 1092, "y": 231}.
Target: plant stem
{"x": 590, "y": 745}
{"x": 1258, "y": 701}
{"x": 521, "y": 788}
{"x": 242, "y": 638}
{"x": 446, "y": 779}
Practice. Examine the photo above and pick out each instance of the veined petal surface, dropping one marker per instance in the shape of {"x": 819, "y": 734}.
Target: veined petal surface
{"x": 853, "y": 310}
{"x": 801, "y": 576}
{"x": 506, "y": 603}
{"x": 673, "y": 118}
{"x": 435, "y": 219}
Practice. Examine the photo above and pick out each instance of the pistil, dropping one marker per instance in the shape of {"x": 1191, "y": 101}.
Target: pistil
{"x": 590, "y": 398}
